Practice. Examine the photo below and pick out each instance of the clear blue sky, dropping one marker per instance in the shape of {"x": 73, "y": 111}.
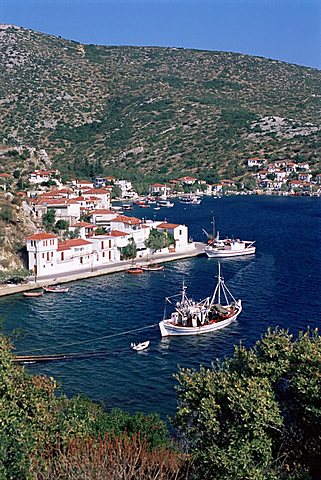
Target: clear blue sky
{"x": 288, "y": 30}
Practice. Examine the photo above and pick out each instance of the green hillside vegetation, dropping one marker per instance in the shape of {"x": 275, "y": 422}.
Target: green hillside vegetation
{"x": 157, "y": 111}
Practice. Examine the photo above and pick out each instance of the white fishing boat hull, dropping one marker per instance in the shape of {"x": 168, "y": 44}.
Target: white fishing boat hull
{"x": 167, "y": 328}
{"x": 213, "y": 252}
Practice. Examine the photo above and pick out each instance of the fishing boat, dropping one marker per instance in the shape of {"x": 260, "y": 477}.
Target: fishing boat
{"x": 32, "y": 294}
{"x": 190, "y": 200}
{"x": 127, "y": 206}
{"x": 56, "y": 289}
{"x": 228, "y": 247}
{"x": 140, "y": 346}
{"x": 207, "y": 315}
{"x": 165, "y": 203}
{"x": 156, "y": 208}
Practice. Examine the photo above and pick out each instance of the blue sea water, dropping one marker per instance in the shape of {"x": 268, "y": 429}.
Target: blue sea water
{"x": 280, "y": 285}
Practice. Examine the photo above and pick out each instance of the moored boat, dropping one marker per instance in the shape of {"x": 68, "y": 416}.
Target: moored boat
{"x": 56, "y": 289}
{"x": 32, "y": 294}
{"x": 190, "y": 200}
{"x": 228, "y": 247}
{"x": 134, "y": 270}
{"x": 196, "y": 318}
{"x": 165, "y": 203}
{"x": 153, "y": 267}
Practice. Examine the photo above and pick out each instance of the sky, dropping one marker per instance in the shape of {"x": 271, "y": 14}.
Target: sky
{"x": 288, "y": 30}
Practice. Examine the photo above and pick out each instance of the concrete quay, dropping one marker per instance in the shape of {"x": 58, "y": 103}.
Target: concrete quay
{"x": 196, "y": 249}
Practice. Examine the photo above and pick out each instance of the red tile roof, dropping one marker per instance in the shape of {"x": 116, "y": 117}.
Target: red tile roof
{"x": 96, "y": 191}
{"x": 83, "y": 224}
{"x": 74, "y": 242}
{"x": 128, "y": 220}
{"x": 102, "y": 211}
{"x": 168, "y": 225}
{"x": 41, "y": 236}
{"x": 118, "y": 233}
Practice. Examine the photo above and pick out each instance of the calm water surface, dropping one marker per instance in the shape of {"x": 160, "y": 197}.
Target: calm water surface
{"x": 280, "y": 285}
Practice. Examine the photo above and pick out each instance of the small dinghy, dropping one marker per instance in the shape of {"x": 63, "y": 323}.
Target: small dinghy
{"x": 32, "y": 294}
{"x": 140, "y": 346}
{"x": 153, "y": 268}
{"x": 56, "y": 289}
{"x": 134, "y": 270}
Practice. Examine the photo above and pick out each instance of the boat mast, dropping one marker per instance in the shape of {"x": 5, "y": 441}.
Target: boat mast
{"x": 219, "y": 283}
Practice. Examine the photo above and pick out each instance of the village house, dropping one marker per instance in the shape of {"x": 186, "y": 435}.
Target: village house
{"x": 40, "y": 176}
{"x": 159, "y": 190}
{"x": 102, "y": 194}
{"x": 126, "y": 187}
{"x": 103, "y": 181}
{"x": 255, "y": 162}
{"x": 65, "y": 209}
{"x": 101, "y": 217}
{"x": 305, "y": 177}
{"x": 187, "y": 180}
{"x": 179, "y": 232}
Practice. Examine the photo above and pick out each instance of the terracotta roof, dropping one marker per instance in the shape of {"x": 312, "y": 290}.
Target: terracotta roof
{"x": 102, "y": 211}
{"x": 83, "y": 224}
{"x": 160, "y": 185}
{"x": 96, "y": 191}
{"x": 41, "y": 236}
{"x": 5, "y": 175}
{"x": 128, "y": 220}
{"x": 168, "y": 225}
{"x": 74, "y": 242}
{"x": 187, "y": 178}
{"x": 118, "y": 233}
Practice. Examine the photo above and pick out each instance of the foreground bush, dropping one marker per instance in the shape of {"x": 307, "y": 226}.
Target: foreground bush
{"x": 33, "y": 416}
{"x": 256, "y": 416}
{"x": 119, "y": 458}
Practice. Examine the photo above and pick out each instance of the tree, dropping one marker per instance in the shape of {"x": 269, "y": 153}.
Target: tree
{"x": 116, "y": 192}
{"x": 48, "y": 219}
{"x": 158, "y": 240}
{"x": 256, "y": 415}
{"x": 129, "y": 251}
{"x": 62, "y": 224}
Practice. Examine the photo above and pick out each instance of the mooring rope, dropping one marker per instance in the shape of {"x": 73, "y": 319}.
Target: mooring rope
{"x": 89, "y": 341}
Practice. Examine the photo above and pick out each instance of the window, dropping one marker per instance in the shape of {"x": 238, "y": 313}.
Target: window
{"x": 109, "y": 243}
{"x": 103, "y": 254}
{"x": 62, "y": 256}
{"x": 180, "y": 232}
{"x": 43, "y": 255}
{"x": 102, "y": 245}
{"x": 47, "y": 256}
{"x": 109, "y": 254}
{"x": 81, "y": 260}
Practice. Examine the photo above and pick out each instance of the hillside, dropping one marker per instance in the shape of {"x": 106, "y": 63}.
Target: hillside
{"x": 162, "y": 110}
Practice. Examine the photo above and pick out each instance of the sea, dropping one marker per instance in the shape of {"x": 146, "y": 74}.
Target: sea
{"x": 279, "y": 286}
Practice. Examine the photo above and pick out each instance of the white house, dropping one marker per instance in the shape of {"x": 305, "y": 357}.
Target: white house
{"x": 65, "y": 209}
{"x": 180, "y": 233}
{"x": 39, "y": 176}
{"x": 127, "y": 190}
{"x": 159, "y": 189}
{"x": 255, "y": 162}
{"x": 102, "y": 194}
{"x": 101, "y": 217}
{"x": 187, "y": 180}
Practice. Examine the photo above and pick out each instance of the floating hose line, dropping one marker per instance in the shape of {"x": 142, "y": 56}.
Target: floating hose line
{"x": 91, "y": 340}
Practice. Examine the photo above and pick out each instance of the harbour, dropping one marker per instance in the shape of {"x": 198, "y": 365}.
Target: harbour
{"x": 279, "y": 285}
